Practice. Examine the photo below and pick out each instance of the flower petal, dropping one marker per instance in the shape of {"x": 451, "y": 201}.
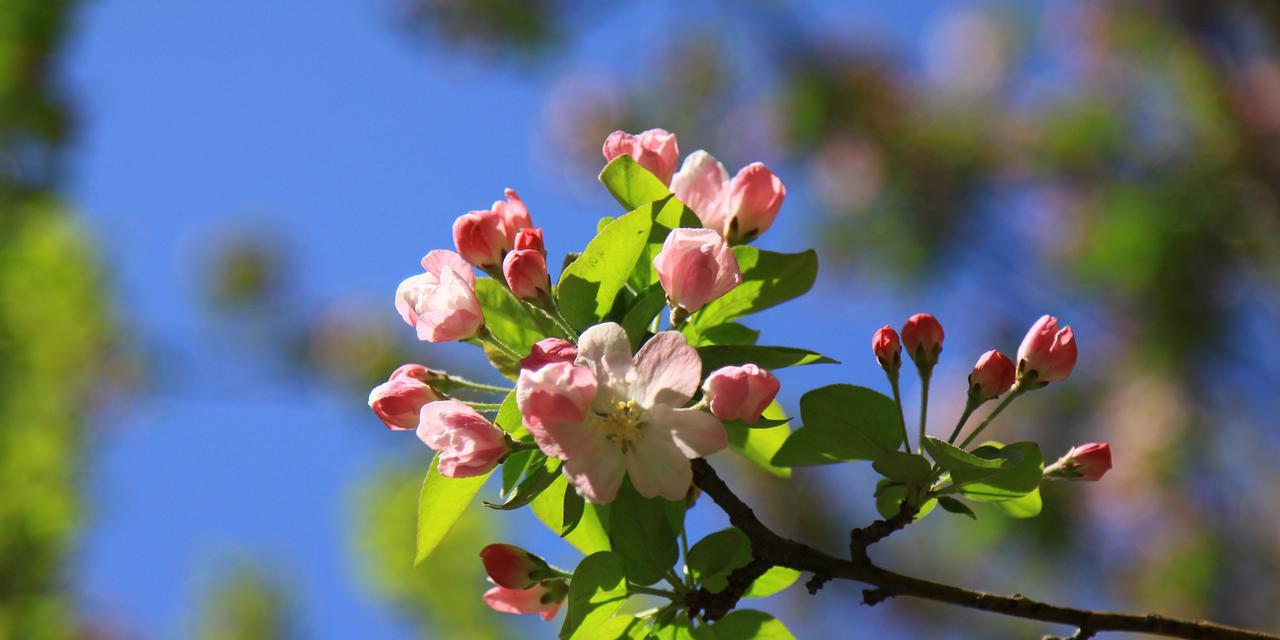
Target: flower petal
{"x": 553, "y": 403}
{"x": 658, "y": 468}
{"x": 699, "y": 184}
{"x": 695, "y": 433}
{"x": 606, "y": 350}
{"x": 596, "y": 468}
{"x": 668, "y": 371}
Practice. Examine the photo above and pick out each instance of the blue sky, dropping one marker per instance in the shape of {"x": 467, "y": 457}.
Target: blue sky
{"x": 326, "y": 124}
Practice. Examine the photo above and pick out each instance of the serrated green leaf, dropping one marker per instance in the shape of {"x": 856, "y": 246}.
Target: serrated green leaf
{"x": 724, "y": 334}
{"x": 590, "y": 535}
{"x": 631, "y": 184}
{"x": 766, "y": 357}
{"x": 513, "y": 322}
{"x": 440, "y": 504}
{"x": 640, "y": 535}
{"x": 955, "y": 506}
{"x": 589, "y": 286}
{"x": 761, "y": 445}
{"x": 509, "y": 418}
{"x": 842, "y": 422}
{"x": 597, "y": 589}
{"x": 1018, "y": 475}
{"x": 535, "y": 481}
{"x": 744, "y": 624}
{"x": 951, "y": 457}
{"x": 903, "y": 467}
{"x": 1028, "y": 506}
{"x": 600, "y": 225}
{"x": 768, "y": 279}
{"x": 573, "y": 508}
{"x": 774, "y": 580}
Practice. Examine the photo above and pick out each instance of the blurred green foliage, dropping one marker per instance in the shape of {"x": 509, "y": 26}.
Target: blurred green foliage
{"x": 245, "y": 604}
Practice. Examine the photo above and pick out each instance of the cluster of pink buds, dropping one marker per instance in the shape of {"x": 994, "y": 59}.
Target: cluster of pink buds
{"x": 523, "y": 582}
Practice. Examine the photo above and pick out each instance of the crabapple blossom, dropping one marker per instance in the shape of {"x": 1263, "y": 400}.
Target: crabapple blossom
{"x": 529, "y": 238}
{"x": 481, "y": 237}
{"x": 922, "y": 337}
{"x": 740, "y": 392}
{"x": 543, "y": 598}
{"x": 526, "y": 274}
{"x": 740, "y": 208}
{"x": 1085, "y": 462}
{"x": 547, "y": 351}
{"x": 695, "y": 267}
{"x": 655, "y": 150}
{"x": 468, "y": 444}
{"x": 511, "y": 567}
{"x": 399, "y": 400}
{"x": 441, "y": 303}
{"x": 887, "y": 348}
{"x": 1047, "y": 351}
{"x": 609, "y": 414}
{"x": 992, "y": 376}
{"x": 515, "y": 216}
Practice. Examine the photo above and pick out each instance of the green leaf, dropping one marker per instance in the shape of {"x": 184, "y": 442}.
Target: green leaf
{"x": 768, "y": 279}
{"x": 1028, "y": 506}
{"x": 761, "y": 445}
{"x": 639, "y": 534}
{"x": 513, "y": 322}
{"x": 590, "y": 535}
{"x": 573, "y": 509}
{"x": 588, "y": 286}
{"x": 672, "y": 215}
{"x": 716, "y": 356}
{"x": 724, "y": 334}
{"x": 680, "y": 628}
{"x": 889, "y": 497}
{"x": 509, "y": 418}
{"x": 1019, "y": 474}
{"x": 535, "y": 482}
{"x": 602, "y": 223}
{"x": 774, "y": 580}
{"x": 907, "y": 468}
{"x": 631, "y": 184}
{"x": 513, "y": 469}
{"x": 744, "y": 624}
{"x": 641, "y": 314}
{"x": 615, "y": 628}
{"x": 950, "y": 457}
{"x": 842, "y": 422}
{"x": 955, "y": 506}
{"x": 712, "y": 558}
{"x": 440, "y": 504}
{"x": 760, "y": 423}
{"x": 598, "y": 588}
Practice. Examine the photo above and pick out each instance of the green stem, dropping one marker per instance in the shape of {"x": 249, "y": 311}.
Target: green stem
{"x": 684, "y": 551}
{"x": 902, "y": 419}
{"x": 969, "y": 407}
{"x": 454, "y": 381}
{"x": 675, "y": 581}
{"x": 1017, "y": 391}
{"x": 925, "y": 376}
{"x": 635, "y": 588}
{"x": 484, "y": 406}
{"x": 487, "y": 336}
{"x": 562, "y": 322}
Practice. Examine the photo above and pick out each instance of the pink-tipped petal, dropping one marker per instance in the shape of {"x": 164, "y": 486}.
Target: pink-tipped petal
{"x": 667, "y": 371}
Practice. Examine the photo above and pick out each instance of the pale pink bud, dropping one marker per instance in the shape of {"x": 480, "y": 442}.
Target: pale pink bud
{"x": 530, "y": 239}
{"x": 399, "y": 401}
{"x": 526, "y": 273}
{"x": 515, "y": 216}
{"x": 991, "y": 376}
{"x": 441, "y": 303}
{"x": 468, "y": 444}
{"x": 417, "y": 372}
{"x": 740, "y": 392}
{"x": 547, "y": 351}
{"x": 543, "y": 598}
{"x": 481, "y": 238}
{"x": 511, "y": 567}
{"x": 922, "y": 337}
{"x": 695, "y": 267}
{"x": 755, "y": 195}
{"x": 703, "y": 184}
{"x": 1048, "y": 351}
{"x": 655, "y": 150}
{"x": 1085, "y": 462}
{"x": 887, "y": 348}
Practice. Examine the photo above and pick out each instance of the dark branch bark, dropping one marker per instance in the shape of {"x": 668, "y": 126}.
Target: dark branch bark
{"x": 770, "y": 549}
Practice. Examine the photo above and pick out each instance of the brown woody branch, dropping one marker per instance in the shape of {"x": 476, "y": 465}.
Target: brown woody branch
{"x": 769, "y": 549}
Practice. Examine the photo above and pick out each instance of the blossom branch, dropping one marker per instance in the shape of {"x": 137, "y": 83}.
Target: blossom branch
{"x": 770, "y": 549}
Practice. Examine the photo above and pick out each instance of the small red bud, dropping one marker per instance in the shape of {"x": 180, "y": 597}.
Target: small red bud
{"x": 922, "y": 336}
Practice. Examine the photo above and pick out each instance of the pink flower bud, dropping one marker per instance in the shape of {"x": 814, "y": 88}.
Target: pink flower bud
{"x": 655, "y": 150}
{"x": 526, "y": 272}
{"x": 468, "y": 444}
{"x": 740, "y": 393}
{"x": 991, "y": 377}
{"x": 1085, "y": 462}
{"x": 481, "y": 238}
{"x": 399, "y": 401}
{"x": 1048, "y": 351}
{"x": 417, "y": 372}
{"x": 511, "y": 567}
{"x": 922, "y": 336}
{"x": 754, "y": 197}
{"x": 441, "y": 303}
{"x": 543, "y": 598}
{"x": 695, "y": 267}
{"x": 530, "y": 239}
{"x": 515, "y": 216}
{"x": 887, "y": 347}
{"x": 547, "y": 351}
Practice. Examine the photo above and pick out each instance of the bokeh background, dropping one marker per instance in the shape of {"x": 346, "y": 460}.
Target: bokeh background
{"x": 205, "y": 209}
